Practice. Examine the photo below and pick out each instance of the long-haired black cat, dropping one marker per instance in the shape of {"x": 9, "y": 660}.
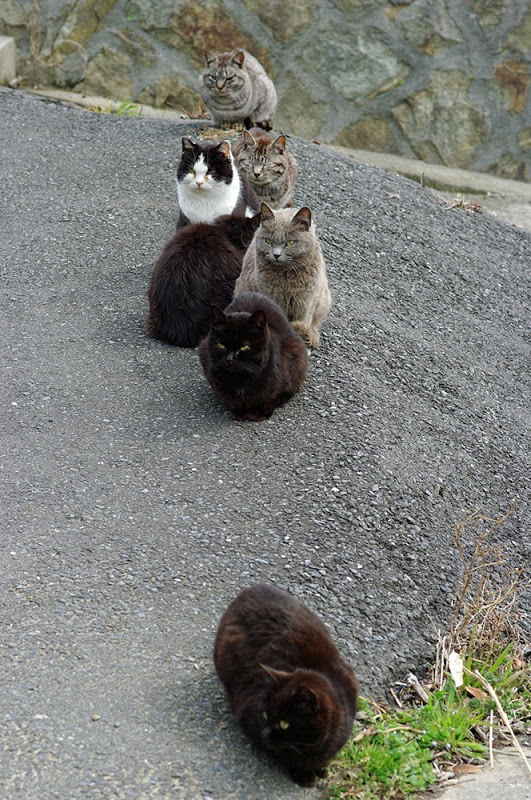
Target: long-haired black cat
{"x": 197, "y": 267}
{"x": 252, "y": 357}
{"x": 286, "y": 682}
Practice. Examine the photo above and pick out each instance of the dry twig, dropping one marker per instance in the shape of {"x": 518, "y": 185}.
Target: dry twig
{"x": 485, "y": 610}
{"x": 414, "y": 682}
{"x": 501, "y": 712}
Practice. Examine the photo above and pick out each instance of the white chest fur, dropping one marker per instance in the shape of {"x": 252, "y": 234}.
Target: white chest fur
{"x": 202, "y": 198}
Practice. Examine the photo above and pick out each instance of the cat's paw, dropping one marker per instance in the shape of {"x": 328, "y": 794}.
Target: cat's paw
{"x": 239, "y": 414}
{"x": 250, "y": 414}
{"x": 265, "y": 124}
{"x": 309, "y": 335}
{"x": 303, "y": 777}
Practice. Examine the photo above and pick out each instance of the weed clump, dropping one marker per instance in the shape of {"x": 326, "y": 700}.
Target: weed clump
{"x": 450, "y": 724}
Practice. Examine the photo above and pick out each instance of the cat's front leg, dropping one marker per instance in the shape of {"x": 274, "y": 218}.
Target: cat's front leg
{"x": 227, "y": 124}
{"x": 303, "y": 777}
{"x": 309, "y": 335}
{"x": 256, "y": 414}
{"x": 245, "y": 283}
{"x": 265, "y": 124}
{"x": 239, "y": 414}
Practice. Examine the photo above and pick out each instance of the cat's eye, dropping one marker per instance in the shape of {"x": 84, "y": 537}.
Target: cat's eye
{"x": 221, "y": 346}
{"x": 290, "y": 242}
{"x": 265, "y": 715}
{"x": 283, "y": 725}
{"x": 244, "y": 348}
{"x": 269, "y": 241}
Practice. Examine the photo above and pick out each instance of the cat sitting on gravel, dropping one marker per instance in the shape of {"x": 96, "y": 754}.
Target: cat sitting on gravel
{"x": 198, "y": 267}
{"x": 284, "y": 261}
{"x": 252, "y": 357}
{"x": 286, "y": 682}
{"x": 209, "y": 184}
{"x": 237, "y": 91}
{"x": 268, "y": 165}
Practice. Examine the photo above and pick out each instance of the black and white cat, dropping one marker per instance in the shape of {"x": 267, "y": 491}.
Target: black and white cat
{"x": 210, "y": 185}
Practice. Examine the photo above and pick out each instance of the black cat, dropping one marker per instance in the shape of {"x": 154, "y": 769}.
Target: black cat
{"x": 198, "y": 267}
{"x": 252, "y": 357}
{"x": 286, "y": 682}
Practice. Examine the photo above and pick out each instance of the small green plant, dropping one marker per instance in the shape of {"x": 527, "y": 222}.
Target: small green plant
{"x": 127, "y": 108}
{"x": 506, "y": 671}
{"x": 446, "y": 723}
{"x": 382, "y": 760}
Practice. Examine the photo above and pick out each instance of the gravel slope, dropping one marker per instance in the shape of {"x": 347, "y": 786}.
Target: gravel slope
{"x": 134, "y": 508}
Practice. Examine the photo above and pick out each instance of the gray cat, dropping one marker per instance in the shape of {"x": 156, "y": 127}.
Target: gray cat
{"x": 268, "y": 166}
{"x": 284, "y": 261}
{"x": 236, "y": 89}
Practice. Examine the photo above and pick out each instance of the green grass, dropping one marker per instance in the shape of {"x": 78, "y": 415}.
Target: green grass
{"x": 504, "y": 669}
{"x": 126, "y": 108}
{"x": 446, "y": 722}
{"x": 388, "y": 761}
{"x": 392, "y": 753}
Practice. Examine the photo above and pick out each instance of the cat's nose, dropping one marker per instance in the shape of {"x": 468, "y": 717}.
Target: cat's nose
{"x": 199, "y": 183}
{"x": 230, "y": 357}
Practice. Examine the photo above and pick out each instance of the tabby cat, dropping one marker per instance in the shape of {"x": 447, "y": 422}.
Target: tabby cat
{"x": 284, "y": 261}
{"x": 252, "y": 357}
{"x": 237, "y": 90}
{"x": 268, "y": 165}
{"x": 286, "y": 682}
{"x": 197, "y": 267}
{"x": 210, "y": 185}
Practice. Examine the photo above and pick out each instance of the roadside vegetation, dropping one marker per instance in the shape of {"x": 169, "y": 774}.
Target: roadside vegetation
{"x": 477, "y": 699}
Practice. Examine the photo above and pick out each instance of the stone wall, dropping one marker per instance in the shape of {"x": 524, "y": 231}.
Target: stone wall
{"x": 446, "y": 81}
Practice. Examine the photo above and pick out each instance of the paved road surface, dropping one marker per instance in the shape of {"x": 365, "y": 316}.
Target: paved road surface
{"x": 134, "y": 509}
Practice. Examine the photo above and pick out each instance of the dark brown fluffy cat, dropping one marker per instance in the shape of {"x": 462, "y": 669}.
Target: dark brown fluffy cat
{"x": 252, "y": 357}
{"x": 287, "y": 685}
{"x": 198, "y": 267}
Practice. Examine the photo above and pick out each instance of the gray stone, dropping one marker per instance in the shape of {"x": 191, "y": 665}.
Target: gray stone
{"x": 441, "y": 123}
{"x": 7, "y": 59}
{"x": 446, "y": 81}
{"x": 12, "y": 14}
{"x": 108, "y": 73}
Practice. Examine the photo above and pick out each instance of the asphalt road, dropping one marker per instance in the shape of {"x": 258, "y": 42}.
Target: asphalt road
{"x": 134, "y": 508}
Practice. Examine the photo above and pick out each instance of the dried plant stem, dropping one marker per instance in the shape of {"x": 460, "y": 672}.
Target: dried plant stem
{"x": 491, "y": 757}
{"x": 414, "y": 682}
{"x": 501, "y": 712}
{"x": 396, "y": 699}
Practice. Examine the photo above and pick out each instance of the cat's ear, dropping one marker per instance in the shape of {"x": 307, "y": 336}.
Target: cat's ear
{"x": 303, "y": 218}
{"x": 266, "y": 212}
{"x": 210, "y": 56}
{"x": 187, "y": 144}
{"x": 279, "y": 144}
{"x": 218, "y": 318}
{"x": 248, "y": 138}
{"x": 224, "y": 148}
{"x": 255, "y": 221}
{"x": 238, "y": 58}
{"x": 257, "y": 320}
{"x": 306, "y": 700}
{"x": 277, "y": 674}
